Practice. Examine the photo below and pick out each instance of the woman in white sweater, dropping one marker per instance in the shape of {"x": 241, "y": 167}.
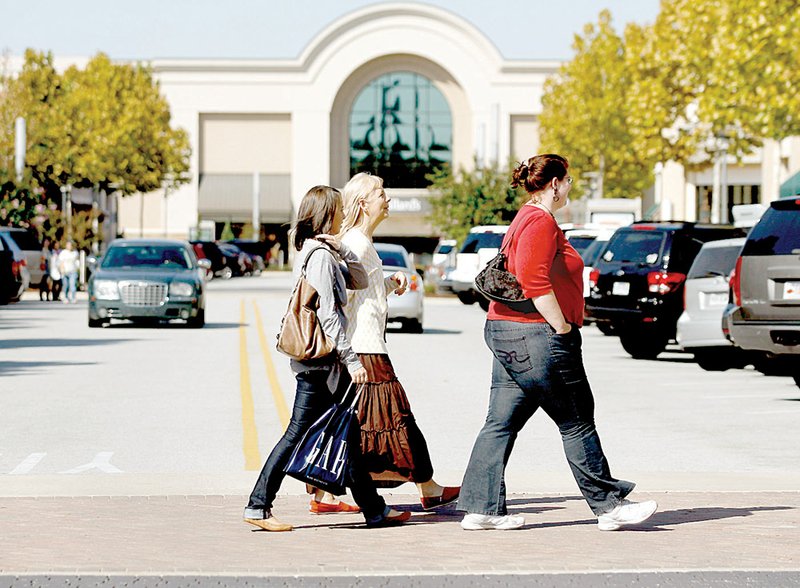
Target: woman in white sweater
{"x": 393, "y": 447}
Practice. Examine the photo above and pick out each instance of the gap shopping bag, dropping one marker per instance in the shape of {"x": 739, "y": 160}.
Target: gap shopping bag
{"x": 321, "y": 457}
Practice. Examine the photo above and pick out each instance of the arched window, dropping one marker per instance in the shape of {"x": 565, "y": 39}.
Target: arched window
{"x": 400, "y": 129}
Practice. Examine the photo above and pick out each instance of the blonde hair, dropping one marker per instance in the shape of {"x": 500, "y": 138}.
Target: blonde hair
{"x": 357, "y": 189}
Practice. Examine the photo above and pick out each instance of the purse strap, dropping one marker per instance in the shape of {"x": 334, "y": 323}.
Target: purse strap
{"x": 310, "y": 253}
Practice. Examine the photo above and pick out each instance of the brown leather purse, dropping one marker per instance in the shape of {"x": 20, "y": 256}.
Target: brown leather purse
{"x": 301, "y": 336}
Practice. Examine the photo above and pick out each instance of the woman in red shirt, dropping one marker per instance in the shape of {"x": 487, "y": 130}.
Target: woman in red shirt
{"x": 538, "y": 363}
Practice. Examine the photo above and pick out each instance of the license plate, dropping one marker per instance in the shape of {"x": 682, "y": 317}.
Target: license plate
{"x": 621, "y": 288}
{"x": 791, "y": 291}
{"x": 718, "y": 299}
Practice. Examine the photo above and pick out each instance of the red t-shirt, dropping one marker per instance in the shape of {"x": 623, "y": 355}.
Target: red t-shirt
{"x": 542, "y": 260}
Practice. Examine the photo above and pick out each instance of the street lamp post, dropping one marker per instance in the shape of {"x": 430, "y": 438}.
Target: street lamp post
{"x": 66, "y": 207}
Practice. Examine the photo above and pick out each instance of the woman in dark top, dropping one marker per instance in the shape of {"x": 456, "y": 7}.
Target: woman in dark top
{"x": 538, "y": 363}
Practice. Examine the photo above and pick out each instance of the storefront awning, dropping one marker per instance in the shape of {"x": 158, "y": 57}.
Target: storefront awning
{"x": 224, "y": 197}
{"x": 791, "y": 187}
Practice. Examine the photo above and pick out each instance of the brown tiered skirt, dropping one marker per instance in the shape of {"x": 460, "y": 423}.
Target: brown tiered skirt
{"x": 394, "y": 449}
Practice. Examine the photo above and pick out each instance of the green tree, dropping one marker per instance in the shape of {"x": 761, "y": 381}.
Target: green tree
{"x": 463, "y": 199}
{"x": 227, "y": 232}
{"x": 105, "y": 126}
{"x": 585, "y": 113}
{"x": 707, "y": 69}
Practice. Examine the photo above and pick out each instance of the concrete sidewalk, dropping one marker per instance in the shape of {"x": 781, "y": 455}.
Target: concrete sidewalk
{"x": 205, "y": 536}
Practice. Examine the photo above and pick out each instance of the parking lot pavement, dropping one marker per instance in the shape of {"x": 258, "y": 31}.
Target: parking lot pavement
{"x": 204, "y": 535}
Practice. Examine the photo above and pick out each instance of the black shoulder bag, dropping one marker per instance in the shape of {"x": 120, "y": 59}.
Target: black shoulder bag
{"x": 496, "y": 283}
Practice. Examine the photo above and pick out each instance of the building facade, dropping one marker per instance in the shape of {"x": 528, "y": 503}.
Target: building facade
{"x": 392, "y": 87}
{"x": 395, "y": 89}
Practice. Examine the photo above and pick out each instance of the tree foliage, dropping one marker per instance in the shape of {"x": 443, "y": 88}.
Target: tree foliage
{"x": 708, "y": 69}
{"x": 585, "y": 113}
{"x": 106, "y": 125}
{"x": 465, "y": 198}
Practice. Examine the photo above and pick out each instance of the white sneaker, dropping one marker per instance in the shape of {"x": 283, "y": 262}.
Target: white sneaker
{"x": 477, "y": 522}
{"x": 626, "y": 513}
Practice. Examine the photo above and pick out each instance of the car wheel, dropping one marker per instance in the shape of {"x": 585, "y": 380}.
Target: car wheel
{"x": 197, "y": 322}
{"x": 96, "y": 323}
{"x": 483, "y": 302}
{"x": 466, "y": 297}
{"x": 797, "y": 379}
{"x": 643, "y": 343}
{"x": 412, "y": 326}
{"x": 606, "y": 328}
{"x": 714, "y": 361}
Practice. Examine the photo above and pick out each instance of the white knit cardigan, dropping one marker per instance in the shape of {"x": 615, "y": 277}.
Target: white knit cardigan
{"x": 367, "y": 309}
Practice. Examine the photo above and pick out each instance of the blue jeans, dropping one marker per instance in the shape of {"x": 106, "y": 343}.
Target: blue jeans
{"x": 311, "y": 400}
{"x": 70, "y": 286}
{"x": 534, "y": 367}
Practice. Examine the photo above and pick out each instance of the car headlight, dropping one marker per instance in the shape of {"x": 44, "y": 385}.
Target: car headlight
{"x": 180, "y": 289}
{"x": 106, "y": 290}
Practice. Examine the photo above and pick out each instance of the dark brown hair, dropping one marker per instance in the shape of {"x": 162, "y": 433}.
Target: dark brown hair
{"x": 315, "y": 215}
{"x": 535, "y": 173}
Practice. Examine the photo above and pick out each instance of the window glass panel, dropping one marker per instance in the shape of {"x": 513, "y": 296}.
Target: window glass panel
{"x": 400, "y": 129}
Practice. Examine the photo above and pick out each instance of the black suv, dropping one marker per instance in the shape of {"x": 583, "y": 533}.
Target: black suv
{"x": 636, "y": 286}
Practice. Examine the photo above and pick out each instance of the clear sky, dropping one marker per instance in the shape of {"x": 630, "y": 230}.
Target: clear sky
{"x": 263, "y": 29}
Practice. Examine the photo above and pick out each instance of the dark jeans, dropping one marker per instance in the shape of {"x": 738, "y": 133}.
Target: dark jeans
{"x": 534, "y": 367}
{"x": 311, "y": 400}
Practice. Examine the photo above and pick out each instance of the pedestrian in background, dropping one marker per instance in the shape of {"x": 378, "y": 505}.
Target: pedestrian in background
{"x": 55, "y": 272}
{"x": 538, "y": 363}
{"x": 44, "y": 266}
{"x": 330, "y": 272}
{"x": 393, "y": 446}
{"x": 68, "y": 266}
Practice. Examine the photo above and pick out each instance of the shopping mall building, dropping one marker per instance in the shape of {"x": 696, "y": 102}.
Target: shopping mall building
{"x": 394, "y": 89}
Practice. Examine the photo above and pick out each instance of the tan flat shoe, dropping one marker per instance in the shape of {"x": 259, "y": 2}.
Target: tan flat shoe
{"x": 270, "y": 524}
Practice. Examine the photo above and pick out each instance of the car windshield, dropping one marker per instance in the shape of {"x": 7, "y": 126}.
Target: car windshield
{"x": 635, "y": 247}
{"x": 593, "y": 251}
{"x": 126, "y": 256}
{"x": 714, "y": 261}
{"x": 778, "y": 231}
{"x": 444, "y": 249}
{"x": 475, "y": 241}
{"x": 392, "y": 258}
{"x": 580, "y": 243}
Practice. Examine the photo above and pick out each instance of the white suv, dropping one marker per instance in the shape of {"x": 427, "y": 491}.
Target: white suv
{"x": 480, "y": 246}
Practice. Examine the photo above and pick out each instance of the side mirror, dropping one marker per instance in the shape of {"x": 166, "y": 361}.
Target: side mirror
{"x": 92, "y": 262}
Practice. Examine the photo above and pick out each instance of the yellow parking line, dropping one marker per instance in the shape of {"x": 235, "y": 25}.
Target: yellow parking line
{"x": 252, "y": 458}
{"x": 272, "y": 375}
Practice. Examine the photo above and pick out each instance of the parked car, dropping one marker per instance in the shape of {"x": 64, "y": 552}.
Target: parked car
{"x": 256, "y": 250}
{"x": 148, "y": 280}
{"x": 408, "y": 308}
{"x": 243, "y": 265}
{"x": 28, "y": 243}
{"x": 590, "y": 256}
{"x": 764, "y": 317}
{"x": 222, "y": 265}
{"x": 442, "y": 260}
{"x": 637, "y": 284}
{"x": 699, "y": 329}
{"x": 16, "y": 277}
{"x": 581, "y": 237}
{"x": 480, "y": 246}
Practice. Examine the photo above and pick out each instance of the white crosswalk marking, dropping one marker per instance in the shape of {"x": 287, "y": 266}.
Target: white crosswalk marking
{"x": 27, "y": 464}
{"x": 101, "y": 461}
